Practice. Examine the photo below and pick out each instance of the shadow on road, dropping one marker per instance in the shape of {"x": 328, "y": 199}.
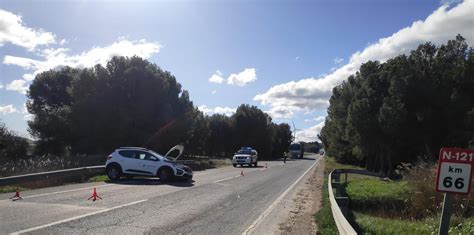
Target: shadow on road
{"x": 152, "y": 181}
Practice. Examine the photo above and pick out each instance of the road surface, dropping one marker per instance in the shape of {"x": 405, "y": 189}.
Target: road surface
{"x": 219, "y": 201}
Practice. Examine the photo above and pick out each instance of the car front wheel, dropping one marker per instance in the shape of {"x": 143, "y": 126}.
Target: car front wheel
{"x": 113, "y": 173}
{"x": 235, "y": 165}
{"x": 165, "y": 175}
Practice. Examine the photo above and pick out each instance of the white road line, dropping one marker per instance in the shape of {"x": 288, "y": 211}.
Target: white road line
{"x": 228, "y": 178}
{"x": 77, "y": 217}
{"x": 259, "y": 220}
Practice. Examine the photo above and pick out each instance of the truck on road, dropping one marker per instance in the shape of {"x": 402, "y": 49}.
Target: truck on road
{"x": 296, "y": 150}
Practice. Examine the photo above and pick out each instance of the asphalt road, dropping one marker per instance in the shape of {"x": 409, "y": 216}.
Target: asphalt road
{"x": 219, "y": 201}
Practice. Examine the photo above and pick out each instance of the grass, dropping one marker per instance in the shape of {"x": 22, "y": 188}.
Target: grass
{"x": 388, "y": 198}
{"x": 9, "y": 189}
{"x": 370, "y": 224}
{"x": 323, "y": 217}
{"x": 98, "y": 178}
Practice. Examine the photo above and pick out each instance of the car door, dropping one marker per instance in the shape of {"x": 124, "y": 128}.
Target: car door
{"x": 151, "y": 163}
{"x": 144, "y": 165}
{"x": 129, "y": 162}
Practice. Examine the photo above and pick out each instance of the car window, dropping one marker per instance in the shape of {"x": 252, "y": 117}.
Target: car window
{"x": 150, "y": 157}
{"x": 141, "y": 155}
{"x": 145, "y": 156}
{"x": 127, "y": 153}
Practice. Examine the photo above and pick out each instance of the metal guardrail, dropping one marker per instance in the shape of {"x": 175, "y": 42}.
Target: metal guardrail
{"x": 82, "y": 171}
{"x": 338, "y": 201}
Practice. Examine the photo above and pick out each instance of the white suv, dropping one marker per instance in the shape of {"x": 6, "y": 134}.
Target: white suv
{"x": 246, "y": 155}
{"x": 136, "y": 161}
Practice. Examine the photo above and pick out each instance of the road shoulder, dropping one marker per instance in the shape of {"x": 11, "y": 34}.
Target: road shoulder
{"x": 300, "y": 217}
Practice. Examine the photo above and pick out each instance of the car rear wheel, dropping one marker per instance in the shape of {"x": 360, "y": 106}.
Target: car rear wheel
{"x": 165, "y": 175}
{"x": 113, "y": 172}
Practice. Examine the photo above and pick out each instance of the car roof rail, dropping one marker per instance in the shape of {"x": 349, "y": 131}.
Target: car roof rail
{"x": 141, "y": 148}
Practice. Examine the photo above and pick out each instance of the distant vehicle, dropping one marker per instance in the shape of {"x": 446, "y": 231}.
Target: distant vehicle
{"x": 137, "y": 161}
{"x": 296, "y": 150}
{"x": 245, "y": 156}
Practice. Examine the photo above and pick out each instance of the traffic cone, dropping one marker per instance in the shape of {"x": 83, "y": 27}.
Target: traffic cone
{"x": 17, "y": 195}
{"x": 241, "y": 172}
{"x": 94, "y": 196}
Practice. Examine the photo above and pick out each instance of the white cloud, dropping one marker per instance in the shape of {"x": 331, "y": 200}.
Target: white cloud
{"x": 62, "y": 42}
{"x": 24, "y": 110}
{"x": 310, "y": 134}
{"x": 18, "y": 85}
{"x": 281, "y": 112}
{"x": 97, "y": 55}
{"x": 320, "y": 118}
{"x": 449, "y": 2}
{"x": 216, "y": 77}
{"x": 338, "y": 60}
{"x": 214, "y": 92}
{"x": 297, "y": 58}
{"x": 1, "y": 86}
{"x": 7, "y": 109}
{"x": 28, "y": 77}
{"x": 58, "y": 57}
{"x": 242, "y": 78}
{"x": 313, "y": 93}
{"x": 222, "y": 110}
{"x": 12, "y": 30}
{"x": 28, "y": 117}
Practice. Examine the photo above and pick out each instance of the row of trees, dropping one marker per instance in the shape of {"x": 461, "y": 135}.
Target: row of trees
{"x": 404, "y": 109}
{"x": 132, "y": 102}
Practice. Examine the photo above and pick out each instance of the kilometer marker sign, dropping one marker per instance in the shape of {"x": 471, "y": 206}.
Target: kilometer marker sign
{"x": 455, "y": 170}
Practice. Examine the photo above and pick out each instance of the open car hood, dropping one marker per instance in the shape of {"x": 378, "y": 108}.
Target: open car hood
{"x": 178, "y": 147}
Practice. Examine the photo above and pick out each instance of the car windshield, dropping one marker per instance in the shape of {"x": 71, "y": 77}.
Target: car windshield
{"x": 295, "y": 147}
{"x": 156, "y": 154}
{"x": 244, "y": 151}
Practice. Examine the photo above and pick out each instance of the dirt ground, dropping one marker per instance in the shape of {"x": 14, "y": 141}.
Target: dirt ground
{"x": 305, "y": 205}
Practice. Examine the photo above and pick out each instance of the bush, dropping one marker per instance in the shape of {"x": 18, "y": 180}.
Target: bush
{"x": 12, "y": 146}
{"x": 425, "y": 200}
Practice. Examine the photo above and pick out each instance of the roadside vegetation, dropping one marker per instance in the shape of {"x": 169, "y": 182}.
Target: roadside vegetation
{"x": 404, "y": 109}
{"x": 9, "y": 189}
{"x": 406, "y": 206}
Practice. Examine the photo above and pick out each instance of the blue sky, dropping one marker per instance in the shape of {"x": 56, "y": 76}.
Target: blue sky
{"x": 293, "y": 52}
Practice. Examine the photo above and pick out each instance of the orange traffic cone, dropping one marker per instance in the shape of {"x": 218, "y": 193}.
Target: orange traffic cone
{"x": 241, "y": 172}
{"x": 17, "y": 195}
{"x": 94, "y": 196}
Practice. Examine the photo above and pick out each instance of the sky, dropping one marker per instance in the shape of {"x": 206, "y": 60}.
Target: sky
{"x": 282, "y": 56}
